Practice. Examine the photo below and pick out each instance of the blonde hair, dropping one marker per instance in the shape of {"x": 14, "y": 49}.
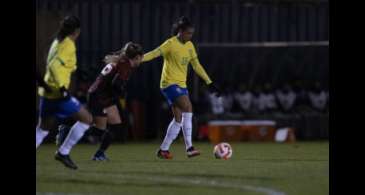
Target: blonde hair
{"x": 130, "y": 50}
{"x": 113, "y": 58}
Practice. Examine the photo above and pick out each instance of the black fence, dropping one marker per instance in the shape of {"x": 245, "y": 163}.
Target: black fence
{"x": 107, "y": 24}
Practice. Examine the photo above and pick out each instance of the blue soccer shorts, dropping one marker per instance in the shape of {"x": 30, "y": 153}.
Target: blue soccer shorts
{"x": 58, "y": 108}
{"x": 172, "y": 92}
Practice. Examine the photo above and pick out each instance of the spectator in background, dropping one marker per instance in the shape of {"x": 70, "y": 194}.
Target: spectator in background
{"x": 286, "y": 98}
{"x": 318, "y": 97}
{"x": 269, "y": 98}
{"x": 227, "y": 99}
{"x": 301, "y": 102}
{"x": 216, "y": 103}
{"x": 257, "y": 101}
{"x": 244, "y": 98}
{"x": 266, "y": 102}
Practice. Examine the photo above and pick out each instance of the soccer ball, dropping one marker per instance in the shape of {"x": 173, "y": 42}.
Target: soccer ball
{"x": 223, "y": 151}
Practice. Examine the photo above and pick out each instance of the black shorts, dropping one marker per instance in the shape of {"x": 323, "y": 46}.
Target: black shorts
{"x": 97, "y": 105}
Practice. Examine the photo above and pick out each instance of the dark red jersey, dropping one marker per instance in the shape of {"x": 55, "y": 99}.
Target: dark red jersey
{"x": 111, "y": 81}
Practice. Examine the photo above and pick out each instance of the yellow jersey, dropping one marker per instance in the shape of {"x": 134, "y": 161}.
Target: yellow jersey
{"x": 61, "y": 63}
{"x": 177, "y": 56}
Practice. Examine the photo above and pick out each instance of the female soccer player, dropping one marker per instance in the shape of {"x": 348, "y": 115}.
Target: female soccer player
{"x": 56, "y": 102}
{"x": 104, "y": 92}
{"x": 178, "y": 52}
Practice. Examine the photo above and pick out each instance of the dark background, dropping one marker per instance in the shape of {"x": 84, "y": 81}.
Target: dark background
{"x": 233, "y": 41}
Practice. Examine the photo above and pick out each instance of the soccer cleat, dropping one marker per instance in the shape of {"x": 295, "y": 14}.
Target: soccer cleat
{"x": 100, "y": 156}
{"x": 164, "y": 154}
{"x": 65, "y": 160}
{"x": 191, "y": 152}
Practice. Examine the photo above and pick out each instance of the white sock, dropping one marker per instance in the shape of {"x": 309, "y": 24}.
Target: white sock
{"x": 171, "y": 134}
{"x": 75, "y": 134}
{"x": 187, "y": 128}
{"x": 40, "y": 134}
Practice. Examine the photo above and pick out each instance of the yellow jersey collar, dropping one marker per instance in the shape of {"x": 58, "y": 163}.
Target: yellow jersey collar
{"x": 178, "y": 40}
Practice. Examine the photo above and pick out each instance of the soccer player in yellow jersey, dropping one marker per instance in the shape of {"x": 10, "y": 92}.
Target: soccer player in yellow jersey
{"x": 178, "y": 52}
{"x": 56, "y": 103}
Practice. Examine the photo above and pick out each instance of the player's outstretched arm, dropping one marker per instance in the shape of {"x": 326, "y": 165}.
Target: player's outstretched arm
{"x": 151, "y": 55}
{"x": 163, "y": 49}
{"x": 199, "y": 70}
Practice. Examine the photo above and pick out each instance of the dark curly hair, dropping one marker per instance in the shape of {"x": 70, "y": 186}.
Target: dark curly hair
{"x": 68, "y": 26}
{"x": 181, "y": 24}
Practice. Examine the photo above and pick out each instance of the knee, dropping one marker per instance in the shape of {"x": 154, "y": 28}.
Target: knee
{"x": 114, "y": 119}
{"x": 178, "y": 118}
{"x": 88, "y": 119}
{"x": 187, "y": 108}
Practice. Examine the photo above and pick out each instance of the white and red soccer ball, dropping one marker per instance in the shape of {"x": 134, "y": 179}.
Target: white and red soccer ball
{"x": 223, "y": 151}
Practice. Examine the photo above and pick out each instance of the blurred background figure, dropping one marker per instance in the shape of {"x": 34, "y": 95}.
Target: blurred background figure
{"x": 286, "y": 98}
{"x": 227, "y": 98}
{"x": 318, "y": 97}
{"x": 216, "y": 103}
{"x": 269, "y": 99}
{"x": 244, "y": 98}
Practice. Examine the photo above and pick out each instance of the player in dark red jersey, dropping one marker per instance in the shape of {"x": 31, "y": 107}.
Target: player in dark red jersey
{"x": 104, "y": 92}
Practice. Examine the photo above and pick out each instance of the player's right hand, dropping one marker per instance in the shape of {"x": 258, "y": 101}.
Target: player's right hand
{"x": 43, "y": 84}
{"x": 46, "y": 88}
{"x": 65, "y": 94}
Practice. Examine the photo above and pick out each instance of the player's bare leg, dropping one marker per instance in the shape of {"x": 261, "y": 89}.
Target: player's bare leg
{"x": 83, "y": 116}
{"x": 184, "y": 104}
{"x": 113, "y": 115}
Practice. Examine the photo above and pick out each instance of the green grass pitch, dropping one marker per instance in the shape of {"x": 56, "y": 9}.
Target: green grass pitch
{"x": 255, "y": 168}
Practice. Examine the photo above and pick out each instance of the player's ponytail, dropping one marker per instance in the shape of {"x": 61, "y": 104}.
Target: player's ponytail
{"x": 181, "y": 24}
{"x": 68, "y": 26}
{"x": 112, "y": 58}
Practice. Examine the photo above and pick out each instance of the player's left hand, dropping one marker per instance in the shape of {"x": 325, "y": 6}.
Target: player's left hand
{"x": 215, "y": 89}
